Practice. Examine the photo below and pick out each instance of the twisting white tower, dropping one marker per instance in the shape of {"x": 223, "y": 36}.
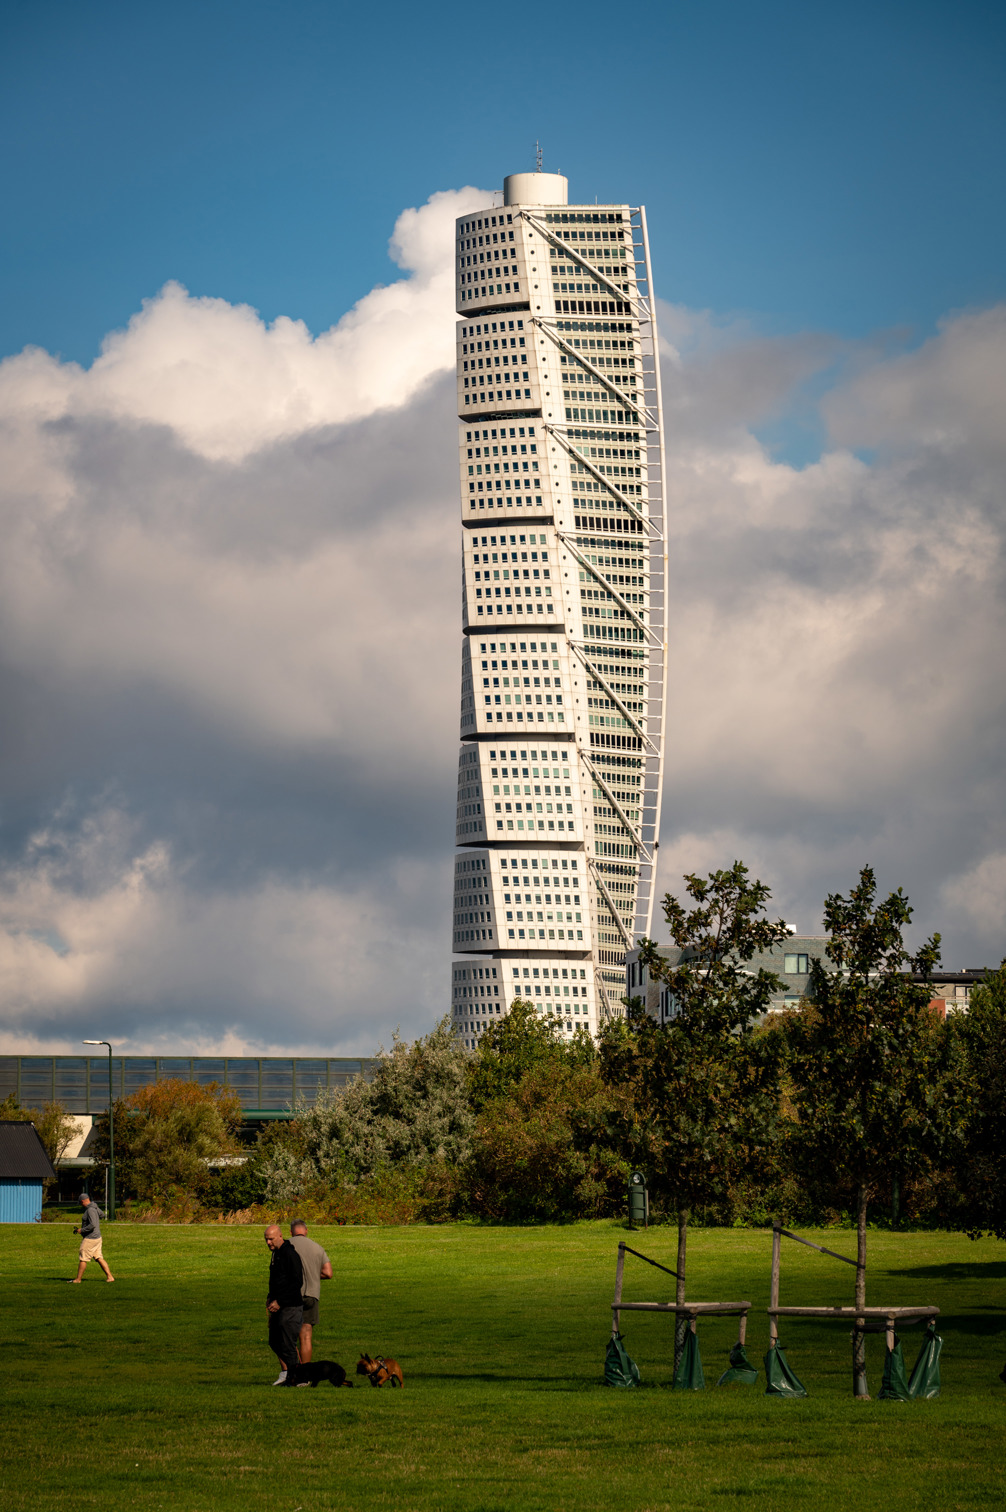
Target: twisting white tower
{"x": 564, "y": 604}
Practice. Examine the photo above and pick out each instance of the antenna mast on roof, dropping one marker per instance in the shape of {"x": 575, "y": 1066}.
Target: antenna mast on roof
{"x": 538, "y": 155}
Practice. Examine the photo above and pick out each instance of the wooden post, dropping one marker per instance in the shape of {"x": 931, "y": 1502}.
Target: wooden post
{"x": 742, "y": 1329}
{"x": 680, "y": 1321}
{"x": 773, "y": 1290}
{"x": 860, "y": 1389}
{"x": 619, "y": 1268}
{"x": 890, "y": 1331}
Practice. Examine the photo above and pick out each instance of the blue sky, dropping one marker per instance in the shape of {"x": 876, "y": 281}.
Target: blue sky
{"x": 813, "y": 166}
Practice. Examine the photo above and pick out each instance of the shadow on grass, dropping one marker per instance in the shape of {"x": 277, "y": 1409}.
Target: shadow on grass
{"x": 570, "y": 1385}
{"x": 954, "y": 1270}
{"x": 979, "y": 1324}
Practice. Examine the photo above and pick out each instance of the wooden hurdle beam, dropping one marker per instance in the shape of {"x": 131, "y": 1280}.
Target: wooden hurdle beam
{"x": 859, "y": 1316}
{"x": 690, "y": 1310}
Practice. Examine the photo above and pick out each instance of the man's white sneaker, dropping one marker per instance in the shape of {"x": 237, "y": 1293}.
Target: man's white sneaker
{"x": 280, "y": 1379}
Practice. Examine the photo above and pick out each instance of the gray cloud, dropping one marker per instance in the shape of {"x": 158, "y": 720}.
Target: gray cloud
{"x": 229, "y": 656}
{"x": 837, "y": 633}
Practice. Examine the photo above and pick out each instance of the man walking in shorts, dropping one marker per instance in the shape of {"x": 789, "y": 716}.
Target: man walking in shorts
{"x": 90, "y": 1239}
{"x": 317, "y": 1268}
{"x": 284, "y": 1303}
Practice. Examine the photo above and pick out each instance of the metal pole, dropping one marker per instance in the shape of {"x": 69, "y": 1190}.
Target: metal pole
{"x": 111, "y": 1142}
{"x": 110, "y": 1198}
{"x": 651, "y": 300}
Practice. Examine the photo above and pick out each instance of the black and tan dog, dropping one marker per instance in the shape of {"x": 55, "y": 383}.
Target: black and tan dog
{"x": 316, "y": 1371}
{"x": 380, "y": 1372}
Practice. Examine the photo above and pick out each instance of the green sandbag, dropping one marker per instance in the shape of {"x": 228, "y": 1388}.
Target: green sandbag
{"x": 894, "y": 1387}
{"x": 619, "y": 1370}
{"x": 741, "y": 1371}
{"x": 779, "y": 1378}
{"x": 689, "y": 1375}
{"x": 925, "y": 1378}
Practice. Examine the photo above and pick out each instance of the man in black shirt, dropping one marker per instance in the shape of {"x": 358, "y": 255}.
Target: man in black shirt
{"x": 284, "y": 1304}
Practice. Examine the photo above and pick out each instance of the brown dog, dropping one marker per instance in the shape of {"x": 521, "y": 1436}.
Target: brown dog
{"x": 380, "y": 1371}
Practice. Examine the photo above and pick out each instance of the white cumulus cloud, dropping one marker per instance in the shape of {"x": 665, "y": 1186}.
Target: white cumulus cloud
{"x": 227, "y": 384}
{"x": 229, "y": 653}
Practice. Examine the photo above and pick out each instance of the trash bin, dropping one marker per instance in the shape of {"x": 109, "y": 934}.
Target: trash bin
{"x": 639, "y": 1201}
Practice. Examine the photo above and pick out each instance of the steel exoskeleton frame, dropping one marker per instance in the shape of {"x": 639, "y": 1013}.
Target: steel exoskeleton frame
{"x": 653, "y": 515}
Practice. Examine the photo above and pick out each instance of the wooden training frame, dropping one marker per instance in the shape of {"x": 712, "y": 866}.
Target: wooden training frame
{"x": 690, "y": 1310}
{"x": 859, "y": 1317}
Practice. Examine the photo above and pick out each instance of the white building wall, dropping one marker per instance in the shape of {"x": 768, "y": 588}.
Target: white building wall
{"x": 563, "y": 604}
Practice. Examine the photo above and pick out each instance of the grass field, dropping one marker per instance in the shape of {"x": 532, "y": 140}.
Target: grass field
{"x": 154, "y": 1392}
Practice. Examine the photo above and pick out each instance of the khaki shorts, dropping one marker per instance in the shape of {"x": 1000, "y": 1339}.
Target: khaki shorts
{"x": 90, "y": 1249}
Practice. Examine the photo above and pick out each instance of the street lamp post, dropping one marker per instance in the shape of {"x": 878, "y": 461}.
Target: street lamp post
{"x": 111, "y": 1136}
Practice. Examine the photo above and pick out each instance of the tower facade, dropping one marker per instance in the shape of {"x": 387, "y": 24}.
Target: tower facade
{"x": 563, "y": 605}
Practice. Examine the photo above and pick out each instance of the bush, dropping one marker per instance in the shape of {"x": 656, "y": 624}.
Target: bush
{"x": 413, "y": 1117}
{"x": 165, "y": 1136}
{"x": 532, "y": 1160}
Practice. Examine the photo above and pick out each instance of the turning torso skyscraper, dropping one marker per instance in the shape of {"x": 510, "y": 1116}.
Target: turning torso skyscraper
{"x": 564, "y": 604}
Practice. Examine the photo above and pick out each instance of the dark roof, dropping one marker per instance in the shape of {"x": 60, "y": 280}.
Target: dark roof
{"x": 22, "y": 1154}
{"x": 973, "y": 975}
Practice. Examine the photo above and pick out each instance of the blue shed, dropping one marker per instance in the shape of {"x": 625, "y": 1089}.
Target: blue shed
{"x": 24, "y": 1166}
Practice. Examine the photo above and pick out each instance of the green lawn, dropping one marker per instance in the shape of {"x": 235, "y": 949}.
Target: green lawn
{"x": 155, "y": 1392}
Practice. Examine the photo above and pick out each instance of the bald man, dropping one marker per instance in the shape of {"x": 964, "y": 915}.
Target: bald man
{"x": 284, "y": 1304}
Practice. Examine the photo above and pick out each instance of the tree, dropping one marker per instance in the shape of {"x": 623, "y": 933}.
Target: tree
{"x": 867, "y": 1065}
{"x": 522, "y": 1041}
{"x": 533, "y": 1158}
{"x": 55, "y": 1126}
{"x": 979, "y": 1039}
{"x": 414, "y": 1114}
{"x": 703, "y": 1088}
{"x": 538, "y": 1099}
{"x": 166, "y": 1135}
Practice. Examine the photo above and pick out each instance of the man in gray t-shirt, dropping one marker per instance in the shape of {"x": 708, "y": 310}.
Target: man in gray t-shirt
{"x": 90, "y": 1239}
{"x": 317, "y": 1268}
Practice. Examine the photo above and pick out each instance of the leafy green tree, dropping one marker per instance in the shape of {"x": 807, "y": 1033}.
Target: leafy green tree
{"x": 414, "y": 1114}
{"x": 702, "y": 1090}
{"x": 533, "y": 1158}
{"x": 870, "y": 1081}
{"x": 166, "y": 1135}
{"x": 55, "y": 1125}
{"x": 537, "y": 1099}
{"x": 979, "y": 1038}
{"x": 520, "y": 1042}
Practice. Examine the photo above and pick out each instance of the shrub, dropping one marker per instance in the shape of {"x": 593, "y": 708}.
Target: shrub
{"x": 529, "y": 1163}
{"x": 165, "y": 1136}
{"x": 414, "y": 1116}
